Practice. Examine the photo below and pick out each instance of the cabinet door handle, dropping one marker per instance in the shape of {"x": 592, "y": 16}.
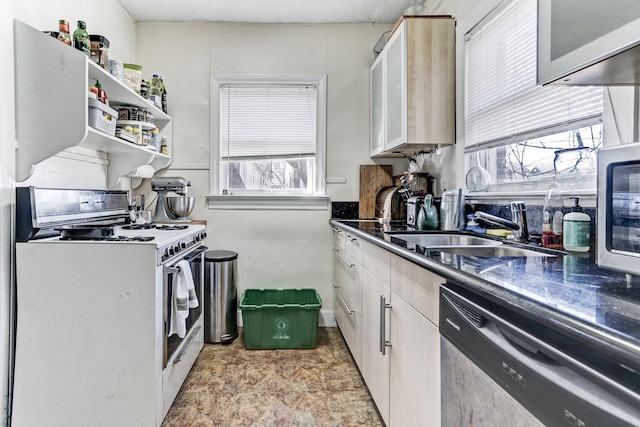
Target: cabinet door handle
{"x": 383, "y": 324}
{"x": 351, "y": 238}
{"x": 336, "y": 230}
{"x": 347, "y": 263}
{"x": 343, "y": 302}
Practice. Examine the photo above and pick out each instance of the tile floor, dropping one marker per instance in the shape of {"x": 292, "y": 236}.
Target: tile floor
{"x": 231, "y": 386}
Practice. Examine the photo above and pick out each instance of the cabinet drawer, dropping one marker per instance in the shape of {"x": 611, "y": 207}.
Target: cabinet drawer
{"x": 176, "y": 371}
{"x": 353, "y": 247}
{"x": 417, "y": 286}
{"x": 348, "y": 320}
{"x": 338, "y": 239}
{"x": 347, "y": 277}
{"x": 377, "y": 261}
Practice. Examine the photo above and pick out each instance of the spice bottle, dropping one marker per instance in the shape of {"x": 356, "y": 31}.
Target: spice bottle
{"x": 163, "y": 96}
{"x": 144, "y": 89}
{"x": 63, "y": 32}
{"x": 155, "y": 90}
{"x": 102, "y": 95}
{"x": 81, "y": 39}
{"x": 164, "y": 148}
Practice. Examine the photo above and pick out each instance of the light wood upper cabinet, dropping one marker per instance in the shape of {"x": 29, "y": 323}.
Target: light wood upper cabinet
{"x": 412, "y": 85}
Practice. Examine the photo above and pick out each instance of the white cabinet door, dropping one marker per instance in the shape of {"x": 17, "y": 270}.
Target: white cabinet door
{"x": 414, "y": 367}
{"x": 375, "y": 363}
{"x": 376, "y": 112}
{"x": 395, "y": 90}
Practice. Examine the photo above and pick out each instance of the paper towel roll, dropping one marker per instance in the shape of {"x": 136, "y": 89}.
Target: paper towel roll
{"x": 145, "y": 171}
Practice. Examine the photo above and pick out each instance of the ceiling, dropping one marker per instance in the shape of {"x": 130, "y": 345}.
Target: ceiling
{"x": 269, "y": 11}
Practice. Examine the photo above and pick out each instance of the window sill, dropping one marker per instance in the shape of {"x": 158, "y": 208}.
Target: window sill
{"x": 268, "y": 202}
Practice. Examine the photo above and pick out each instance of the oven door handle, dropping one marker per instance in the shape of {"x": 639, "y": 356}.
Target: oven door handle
{"x": 195, "y": 254}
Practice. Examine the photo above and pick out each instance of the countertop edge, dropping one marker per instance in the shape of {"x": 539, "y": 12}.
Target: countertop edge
{"x": 581, "y": 330}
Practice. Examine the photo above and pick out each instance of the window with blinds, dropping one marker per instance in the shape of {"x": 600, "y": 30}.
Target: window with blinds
{"x": 505, "y": 108}
{"x": 268, "y": 137}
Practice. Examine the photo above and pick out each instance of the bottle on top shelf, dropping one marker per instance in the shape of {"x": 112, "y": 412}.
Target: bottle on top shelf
{"x": 102, "y": 94}
{"x": 163, "y": 101}
{"x": 157, "y": 92}
{"x": 81, "y": 39}
{"x": 63, "y": 32}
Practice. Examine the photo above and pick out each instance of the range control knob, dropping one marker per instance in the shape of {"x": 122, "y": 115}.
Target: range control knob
{"x": 170, "y": 251}
{"x": 183, "y": 245}
{"x": 176, "y": 249}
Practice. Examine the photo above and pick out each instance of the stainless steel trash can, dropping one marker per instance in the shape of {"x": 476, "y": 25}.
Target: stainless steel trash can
{"x": 220, "y": 296}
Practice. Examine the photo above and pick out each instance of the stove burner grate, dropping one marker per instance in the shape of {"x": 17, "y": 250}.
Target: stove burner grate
{"x": 138, "y": 226}
{"x": 112, "y": 239}
{"x": 172, "y": 227}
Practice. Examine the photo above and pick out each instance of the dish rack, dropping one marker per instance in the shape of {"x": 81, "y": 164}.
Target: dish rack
{"x": 102, "y": 117}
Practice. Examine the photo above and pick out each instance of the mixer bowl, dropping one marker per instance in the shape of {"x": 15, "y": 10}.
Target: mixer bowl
{"x": 180, "y": 207}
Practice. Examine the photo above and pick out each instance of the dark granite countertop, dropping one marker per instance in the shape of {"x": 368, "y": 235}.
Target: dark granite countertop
{"x": 569, "y": 293}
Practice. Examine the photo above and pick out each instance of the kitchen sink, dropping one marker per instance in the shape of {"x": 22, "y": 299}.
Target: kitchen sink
{"x": 496, "y": 251}
{"x": 428, "y": 240}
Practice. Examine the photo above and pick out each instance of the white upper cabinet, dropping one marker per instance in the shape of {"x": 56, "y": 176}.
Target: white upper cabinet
{"x": 52, "y": 81}
{"x": 412, "y": 85}
{"x": 376, "y": 107}
{"x": 589, "y": 42}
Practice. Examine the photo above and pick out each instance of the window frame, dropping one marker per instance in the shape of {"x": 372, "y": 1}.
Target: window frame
{"x": 488, "y": 145}
{"x": 268, "y": 200}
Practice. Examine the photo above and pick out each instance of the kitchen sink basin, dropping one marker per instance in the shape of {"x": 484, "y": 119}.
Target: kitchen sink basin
{"x": 496, "y": 251}
{"x": 439, "y": 240}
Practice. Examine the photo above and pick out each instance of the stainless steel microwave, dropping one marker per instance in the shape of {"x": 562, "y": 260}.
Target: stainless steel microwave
{"x": 618, "y": 227}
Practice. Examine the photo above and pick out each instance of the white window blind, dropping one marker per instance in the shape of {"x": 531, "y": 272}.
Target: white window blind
{"x": 267, "y": 121}
{"x": 503, "y": 103}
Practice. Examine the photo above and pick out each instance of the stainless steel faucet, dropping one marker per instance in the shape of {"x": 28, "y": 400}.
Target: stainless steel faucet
{"x": 519, "y": 216}
{"x": 518, "y": 224}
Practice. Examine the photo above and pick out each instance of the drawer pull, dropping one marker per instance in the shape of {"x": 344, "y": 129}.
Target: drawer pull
{"x": 347, "y": 263}
{"x": 343, "y": 302}
{"x": 383, "y": 320}
{"x": 351, "y": 238}
{"x": 187, "y": 345}
{"x": 336, "y": 230}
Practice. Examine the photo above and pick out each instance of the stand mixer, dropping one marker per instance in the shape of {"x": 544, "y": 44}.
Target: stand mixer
{"x": 163, "y": 186}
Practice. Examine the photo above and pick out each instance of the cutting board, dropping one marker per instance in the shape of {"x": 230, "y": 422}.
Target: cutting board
{"x": 373, "y": 178}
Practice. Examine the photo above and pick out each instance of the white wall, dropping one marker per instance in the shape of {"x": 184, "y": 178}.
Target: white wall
{"x": 276, "y": 248}
{"x": 103, "y": 17}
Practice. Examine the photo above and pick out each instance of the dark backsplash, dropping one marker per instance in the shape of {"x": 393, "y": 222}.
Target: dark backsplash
{"x": 349, "y": 210}
{"x": 534, "y": 214}
{"x": 345, "y": 210}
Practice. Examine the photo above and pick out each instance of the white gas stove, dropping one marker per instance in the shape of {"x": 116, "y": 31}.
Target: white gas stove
{"x": 94, "y": 336}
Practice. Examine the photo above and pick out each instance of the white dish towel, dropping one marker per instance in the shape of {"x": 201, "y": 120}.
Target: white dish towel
{"x": 184, "y": 298}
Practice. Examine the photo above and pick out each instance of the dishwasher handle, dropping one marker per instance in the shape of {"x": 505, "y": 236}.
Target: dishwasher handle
{"x": 521, "y": 344}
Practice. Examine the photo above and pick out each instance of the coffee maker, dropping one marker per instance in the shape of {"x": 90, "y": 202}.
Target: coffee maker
{"x": 163, "y": 186}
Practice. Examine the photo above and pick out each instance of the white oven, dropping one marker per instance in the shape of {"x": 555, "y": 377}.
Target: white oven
{"x": 93, "y": 316}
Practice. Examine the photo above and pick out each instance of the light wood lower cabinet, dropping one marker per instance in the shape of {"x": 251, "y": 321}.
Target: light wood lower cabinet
{"x": 400, "y": 347}
{"x": 375, "y": 355}
{"x": 414, "y": 372}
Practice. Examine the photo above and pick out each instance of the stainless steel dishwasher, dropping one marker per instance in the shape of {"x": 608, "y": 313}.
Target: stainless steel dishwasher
{"x": 500, "y": 368}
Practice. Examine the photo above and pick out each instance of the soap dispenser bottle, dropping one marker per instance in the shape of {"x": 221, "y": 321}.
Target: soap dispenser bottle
{"x": 576, "y": 224}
